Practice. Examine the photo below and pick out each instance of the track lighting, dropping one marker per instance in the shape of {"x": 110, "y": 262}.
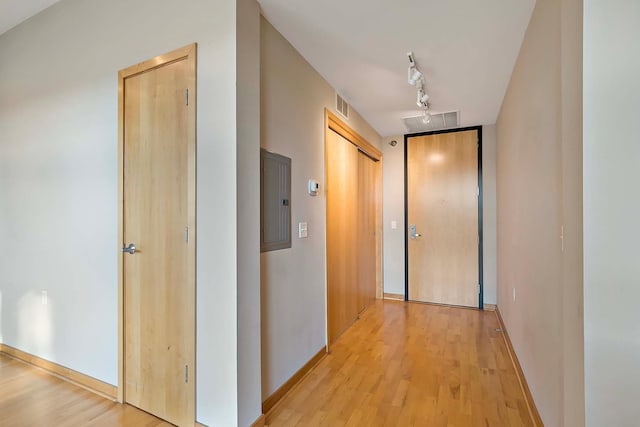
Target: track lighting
{"x": 426, "y": 118}
{"x": 414, "y": 76}
{"x": 423, "y": 99}
{"x": 420, "y": 98}
{"x": 412, "y": 62}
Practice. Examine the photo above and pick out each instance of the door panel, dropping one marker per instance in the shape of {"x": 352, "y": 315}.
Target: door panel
{"x": 351, "y": 225}
{"x": 366, "y": 231}
{"x": 442, "y": 203}
{"x": 159, "y": 290}
{"x": 342, "y": 234}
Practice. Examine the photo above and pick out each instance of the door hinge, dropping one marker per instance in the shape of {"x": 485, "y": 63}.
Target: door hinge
{"x": 186, "y": 373}
{"x": 478, "y": 288}
{"x": 186, "y": 234}
{"x": 186, "y": 96}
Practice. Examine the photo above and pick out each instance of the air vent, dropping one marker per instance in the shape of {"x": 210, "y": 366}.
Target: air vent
{"x": 342, "y": 107}
{"x": 445, "y": 120}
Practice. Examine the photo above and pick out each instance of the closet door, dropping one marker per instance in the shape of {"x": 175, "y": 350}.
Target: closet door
{"x": 342, "y": 234}
{"x": 366, "y": 290}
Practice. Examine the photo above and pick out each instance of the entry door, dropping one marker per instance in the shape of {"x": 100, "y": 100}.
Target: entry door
{"x": 158, "y": 219}
{"x": 442, "y": 218}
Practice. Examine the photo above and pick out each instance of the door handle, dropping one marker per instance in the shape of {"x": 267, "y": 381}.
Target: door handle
{"x": 413, "y": 234}
{"x": 131, "y": 249}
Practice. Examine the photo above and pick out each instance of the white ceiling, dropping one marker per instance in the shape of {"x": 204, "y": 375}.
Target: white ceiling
{"x": 13, "y": 12}
{"x": 466, "y": 49}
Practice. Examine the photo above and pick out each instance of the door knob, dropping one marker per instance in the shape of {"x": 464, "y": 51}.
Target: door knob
{"x": 413, "y": 234}
{"x": 131, "y": 249}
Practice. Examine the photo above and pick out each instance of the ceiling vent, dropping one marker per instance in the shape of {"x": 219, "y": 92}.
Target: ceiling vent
{"x": 446, "y": 120}
{"x": 342, "y": 107}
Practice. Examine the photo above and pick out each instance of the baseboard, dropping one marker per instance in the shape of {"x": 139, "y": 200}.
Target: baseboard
{"x": 395, "y": 297}
{"x": 272, "y": 400}
{"x": 531, "y": 405}
{"x": 260, "y": 422}
{"x": 489, "y": 307}
{"x": 99, "y": 387}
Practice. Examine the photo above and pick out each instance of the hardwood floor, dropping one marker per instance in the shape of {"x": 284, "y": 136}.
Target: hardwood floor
{"x": 30, "y": 397}
{"x": 411, "y": 364}
{"x": 399, "y": 365}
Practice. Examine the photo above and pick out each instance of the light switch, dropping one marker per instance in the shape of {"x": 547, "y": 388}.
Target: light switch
{"x": 394, "y": 225}
{"x": 302, "y": 230}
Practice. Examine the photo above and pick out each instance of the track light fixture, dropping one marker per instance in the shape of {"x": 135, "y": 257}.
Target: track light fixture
{"x": 419, "y": 101}
{"x": 423, "y": 99}
{"x": 412, "y": 62}
{"x": 416, "y": 78}
{"x": 426, "y": 117}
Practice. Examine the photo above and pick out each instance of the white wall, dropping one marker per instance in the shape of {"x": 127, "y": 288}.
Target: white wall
{"x": 58, "y": 182}
{"x": 530, "y": 212}
{"x": 393, "y": 210}
{"x": 489, "y": 226}
{"x": 539, "y": 182}
{"x": 248, "y": 161}
{"x": 611, "y": 212}
{"x": 572, "y": 206}
{"x": 293, "y": 100}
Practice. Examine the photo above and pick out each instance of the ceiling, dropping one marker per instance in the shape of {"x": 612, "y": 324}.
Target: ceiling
{"x": 13, "y": 12}
{"x": 466, "y": 49}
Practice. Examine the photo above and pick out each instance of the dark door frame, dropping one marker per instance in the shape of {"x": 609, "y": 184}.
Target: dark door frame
{"x": 407, "y": 137}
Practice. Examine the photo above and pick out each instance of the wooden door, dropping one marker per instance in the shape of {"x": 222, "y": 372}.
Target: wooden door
{"x": 158, "y": 128}
{"x": 442, "y": 205}
{"x": 366, "y": 231}
{"x": 342, "y": 233}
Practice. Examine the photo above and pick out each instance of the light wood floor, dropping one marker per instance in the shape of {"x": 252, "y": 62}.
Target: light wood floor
{"x": 30, "y": 397}
{"x": 399, "y": 365}
{"x": 411, "y": 364}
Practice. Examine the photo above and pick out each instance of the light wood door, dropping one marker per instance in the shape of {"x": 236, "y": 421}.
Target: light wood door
{"x": 366, "y": 231}
{"x": 159, "y": 218}
{"x": 342, "y": 233}
{"x": 442, "y": 204}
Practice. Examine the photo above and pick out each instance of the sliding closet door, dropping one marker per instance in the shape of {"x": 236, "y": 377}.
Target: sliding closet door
{"x": 342, "y": 233}
{"x": 352, "y": 198}
{"x": 366, "y": 291}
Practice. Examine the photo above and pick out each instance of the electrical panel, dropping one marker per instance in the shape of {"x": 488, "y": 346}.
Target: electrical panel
{"x": 275, "y": 201}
